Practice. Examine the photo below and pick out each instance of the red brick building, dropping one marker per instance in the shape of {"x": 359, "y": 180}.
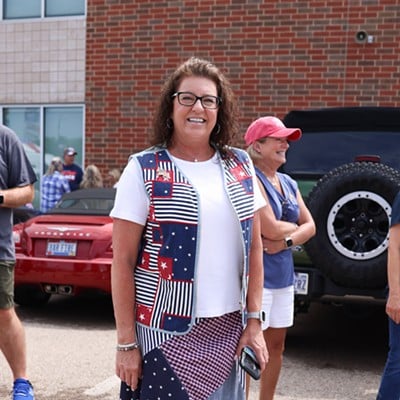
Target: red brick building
{"x": 279, "y": 55}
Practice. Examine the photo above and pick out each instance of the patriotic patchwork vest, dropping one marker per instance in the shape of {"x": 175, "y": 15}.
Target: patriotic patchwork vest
{"x": 165, "y": 272}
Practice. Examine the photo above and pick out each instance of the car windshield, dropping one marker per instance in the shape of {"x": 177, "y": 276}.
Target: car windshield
{"x": 316, "y": 153}
{"x": 86, "y": 202}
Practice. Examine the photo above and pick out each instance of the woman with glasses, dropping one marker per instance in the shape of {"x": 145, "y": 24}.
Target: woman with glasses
{"x": 187, "y": 270}
{"x": 285, "y": 223}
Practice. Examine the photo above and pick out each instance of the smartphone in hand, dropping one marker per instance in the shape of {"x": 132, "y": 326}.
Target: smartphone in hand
{"x": 248, "y": 361}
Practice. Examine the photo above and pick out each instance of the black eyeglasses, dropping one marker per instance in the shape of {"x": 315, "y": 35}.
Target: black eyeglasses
{"x": 189, "y": 99}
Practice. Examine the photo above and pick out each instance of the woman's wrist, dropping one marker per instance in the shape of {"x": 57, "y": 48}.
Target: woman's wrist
{"x": 128, "y": 346}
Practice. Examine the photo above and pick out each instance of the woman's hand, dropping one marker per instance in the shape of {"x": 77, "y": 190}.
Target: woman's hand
{"x": 252, "y": 336}
{"x": 273, "y": 246}
{"x": 129, "y": 367}
{"x": 393, "y": 307}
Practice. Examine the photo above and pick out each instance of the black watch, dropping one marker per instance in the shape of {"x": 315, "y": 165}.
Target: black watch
{"x": 260, "y": 315}
{"x": 1, "y": 199}
{"x": 288, "y": 242}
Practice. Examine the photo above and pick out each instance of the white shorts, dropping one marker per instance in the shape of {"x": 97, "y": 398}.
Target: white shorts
{"x": 278, "y": 305}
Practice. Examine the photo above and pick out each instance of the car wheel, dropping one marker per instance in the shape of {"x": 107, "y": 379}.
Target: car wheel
{"x": 351, "y": 206}
{"x": 30, "y": 296}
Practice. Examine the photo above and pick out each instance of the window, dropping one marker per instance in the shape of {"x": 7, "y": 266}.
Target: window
{"x": 18, "y": 9}
{"x": 56, "y": 8}
{"x": 13, "y": 9}
{"x": 45, "y": 132}
{"x": 309, "y": 156}
{"x": 26, "y": 123}
{"x": 63, "y": 127}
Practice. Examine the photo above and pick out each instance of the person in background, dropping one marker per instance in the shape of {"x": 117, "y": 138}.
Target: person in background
{"x": 16, "y": 189}
{"x": 73, "y": 172}
{"x": 389, "y": 388}
{"x": 186, "y": 222}
{"x": 113, "y": 177}
{"x": 54, "y": 185}
{"x": 91, "y": 178}
{"x": 285, "y": 222}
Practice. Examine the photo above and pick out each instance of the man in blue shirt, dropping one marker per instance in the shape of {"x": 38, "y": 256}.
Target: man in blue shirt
{"x": 72, "y": 171}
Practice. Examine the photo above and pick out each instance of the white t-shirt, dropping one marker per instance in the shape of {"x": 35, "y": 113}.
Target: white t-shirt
{"x": 220, "y": 252}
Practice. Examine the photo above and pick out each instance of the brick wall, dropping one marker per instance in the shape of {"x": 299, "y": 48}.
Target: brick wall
{"x": 279, "y": 55}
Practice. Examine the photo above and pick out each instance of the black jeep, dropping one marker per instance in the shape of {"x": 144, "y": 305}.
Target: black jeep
{"x": 347, "y": 165}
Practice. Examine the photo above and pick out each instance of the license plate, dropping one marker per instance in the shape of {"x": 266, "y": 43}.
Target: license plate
{"x": 61, "y": 248}
{"x": 300, "y": 283}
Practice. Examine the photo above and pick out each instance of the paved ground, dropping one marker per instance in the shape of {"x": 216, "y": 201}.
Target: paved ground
{"x": 333, "y": 355}
{"x": 329, "y": 356}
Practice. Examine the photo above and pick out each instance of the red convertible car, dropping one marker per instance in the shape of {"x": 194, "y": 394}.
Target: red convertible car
{"x": 67, "y": 250}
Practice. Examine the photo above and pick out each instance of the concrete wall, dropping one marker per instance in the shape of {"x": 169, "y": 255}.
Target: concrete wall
{"x": 42, "y": 61}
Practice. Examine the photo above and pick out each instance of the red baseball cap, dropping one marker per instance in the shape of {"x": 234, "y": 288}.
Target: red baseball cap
{"x": 270, "y": 127}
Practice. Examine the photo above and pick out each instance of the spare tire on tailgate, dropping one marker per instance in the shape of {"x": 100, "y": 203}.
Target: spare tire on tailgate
{"x": 351, "y": 206}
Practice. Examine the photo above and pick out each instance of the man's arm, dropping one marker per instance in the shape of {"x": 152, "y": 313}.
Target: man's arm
{"x": 18, "y": 196}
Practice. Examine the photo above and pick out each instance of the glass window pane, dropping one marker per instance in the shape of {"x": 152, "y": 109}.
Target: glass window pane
{"x": 13, "y": 9}
{"x": 63, "y": 127}
{"x": 56, "y": 8}
{"x": 25, "y": 122}
{"x": 305, "y": 157}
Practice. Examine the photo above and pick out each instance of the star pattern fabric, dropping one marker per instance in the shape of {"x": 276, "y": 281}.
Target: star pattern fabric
{"x": 162, "y": 382}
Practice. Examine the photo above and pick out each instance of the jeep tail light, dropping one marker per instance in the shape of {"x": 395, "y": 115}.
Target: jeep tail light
{"x": 367, "y": 158}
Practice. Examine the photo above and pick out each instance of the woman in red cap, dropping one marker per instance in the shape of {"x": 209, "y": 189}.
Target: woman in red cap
{"x": 286, "y": 222}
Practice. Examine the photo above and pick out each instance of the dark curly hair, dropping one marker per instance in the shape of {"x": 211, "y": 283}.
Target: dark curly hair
{"x": 227, "y": 126}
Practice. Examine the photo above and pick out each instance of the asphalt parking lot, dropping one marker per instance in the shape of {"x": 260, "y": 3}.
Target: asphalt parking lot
{"x": 71, "y": 353}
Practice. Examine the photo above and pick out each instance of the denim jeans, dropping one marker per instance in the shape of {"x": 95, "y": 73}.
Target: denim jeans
{"x": 389, "y": 388}
{"x": 231, "y": 389}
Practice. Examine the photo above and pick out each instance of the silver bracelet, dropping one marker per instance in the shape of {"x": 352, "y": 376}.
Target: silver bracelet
{"x": 128, "y": 346}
